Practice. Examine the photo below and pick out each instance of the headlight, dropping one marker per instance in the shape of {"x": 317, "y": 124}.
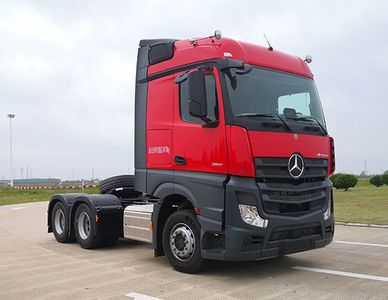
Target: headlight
{"x": 327, "y": 213}
{"x": 250, "y": 215}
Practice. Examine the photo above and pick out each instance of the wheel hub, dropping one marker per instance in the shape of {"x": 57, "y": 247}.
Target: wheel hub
{"x": 84, "y": 225}
{"x": 182, "y": 242}
{"x": 59, "y": 221}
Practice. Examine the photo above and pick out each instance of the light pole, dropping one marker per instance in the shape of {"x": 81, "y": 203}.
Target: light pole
{"x": 11, "y": 116}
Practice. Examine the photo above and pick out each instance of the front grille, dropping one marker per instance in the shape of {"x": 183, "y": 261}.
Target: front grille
{"x": 284, "y": 195}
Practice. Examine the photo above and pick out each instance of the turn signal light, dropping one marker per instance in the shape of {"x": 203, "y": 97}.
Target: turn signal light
{"x": 332, "y": 156}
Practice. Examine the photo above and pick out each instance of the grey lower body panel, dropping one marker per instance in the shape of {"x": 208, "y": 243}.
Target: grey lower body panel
{"x": 224, "y": 235}
{"x": 141, "y": 180}
{"x": 240, "y": 241}
{"x": 204, "y": 190}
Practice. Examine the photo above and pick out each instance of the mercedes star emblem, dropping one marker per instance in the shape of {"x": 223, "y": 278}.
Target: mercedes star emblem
{"x": 295, "y": 165}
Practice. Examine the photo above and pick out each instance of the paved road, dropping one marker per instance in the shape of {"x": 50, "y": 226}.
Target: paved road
{"x": 34, "y": 266}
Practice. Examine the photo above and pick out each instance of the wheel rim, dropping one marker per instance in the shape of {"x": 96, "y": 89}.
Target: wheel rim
{"x": 59, "y": 221}
{"x": 84, "y": 225}
{"x": 182, "y": 242}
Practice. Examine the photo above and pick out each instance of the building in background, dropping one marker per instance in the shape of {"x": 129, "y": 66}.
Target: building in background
{"x": 4, "y": 183}
{"x": 49, "y": 183}
{"x": 37, "y": 182}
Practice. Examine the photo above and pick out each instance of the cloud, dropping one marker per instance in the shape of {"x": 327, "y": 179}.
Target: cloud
{"x": 67, "y": 70}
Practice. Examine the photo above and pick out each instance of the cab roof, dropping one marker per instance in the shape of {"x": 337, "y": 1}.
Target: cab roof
{"x": 191, "y": 51}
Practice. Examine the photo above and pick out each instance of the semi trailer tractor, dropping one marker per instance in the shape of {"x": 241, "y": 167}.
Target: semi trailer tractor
{"x": 232, "y": 159}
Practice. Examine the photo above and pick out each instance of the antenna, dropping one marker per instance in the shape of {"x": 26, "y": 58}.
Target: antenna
{"x": 270, "y": 48}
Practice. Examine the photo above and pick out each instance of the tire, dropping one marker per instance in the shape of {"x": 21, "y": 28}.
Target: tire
{"x": 184, "y": 254}
{"x": 110, "y": 240}
{"x": 60, "y": 224}
{"x": 121, "y": 181}
{"x": 84, "y": 228}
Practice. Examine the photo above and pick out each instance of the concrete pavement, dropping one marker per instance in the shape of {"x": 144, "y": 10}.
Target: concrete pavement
{"x": 34, "y": 266}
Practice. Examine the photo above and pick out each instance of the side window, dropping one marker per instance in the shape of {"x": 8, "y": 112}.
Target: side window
{"x": 211, "y": 95}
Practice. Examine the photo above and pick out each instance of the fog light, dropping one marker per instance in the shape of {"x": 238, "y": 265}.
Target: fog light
{"x": 327, "y": 213}
{"x": 250, "y": 215}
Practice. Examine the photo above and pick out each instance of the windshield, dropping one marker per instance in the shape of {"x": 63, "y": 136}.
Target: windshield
{"x": 262, "y": 91}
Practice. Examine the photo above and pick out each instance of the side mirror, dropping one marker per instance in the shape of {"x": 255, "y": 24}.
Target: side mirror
{"x": 197, "y": 94}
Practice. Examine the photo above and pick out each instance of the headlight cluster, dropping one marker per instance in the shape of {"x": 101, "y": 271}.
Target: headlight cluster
{"x": 251, "y": 216}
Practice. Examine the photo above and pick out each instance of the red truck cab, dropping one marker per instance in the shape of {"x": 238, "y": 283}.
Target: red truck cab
{"x": 237, "y": 132}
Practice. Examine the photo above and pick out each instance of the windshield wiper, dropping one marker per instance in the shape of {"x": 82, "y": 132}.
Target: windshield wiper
{"x": 311, "y": 119}
{"x": 266, "y": 115}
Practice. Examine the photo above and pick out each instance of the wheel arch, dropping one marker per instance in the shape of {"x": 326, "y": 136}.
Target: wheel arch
{"x": 97, "y": 203}
{"x": 172, "y": 197}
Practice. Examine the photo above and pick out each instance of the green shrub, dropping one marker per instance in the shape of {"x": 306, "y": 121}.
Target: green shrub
{"x": 376, "y": 180}
{"x": 334, "y": 179}
{"x": 344, "y": 181}
{"x": 384, "y": 178}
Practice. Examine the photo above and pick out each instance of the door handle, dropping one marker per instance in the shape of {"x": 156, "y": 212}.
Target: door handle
{"x": 180, "y": 160}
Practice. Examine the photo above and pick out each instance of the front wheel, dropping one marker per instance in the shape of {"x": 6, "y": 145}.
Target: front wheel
{"x": 181, "y": 242}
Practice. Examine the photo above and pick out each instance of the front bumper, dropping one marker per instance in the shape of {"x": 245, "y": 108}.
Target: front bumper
{"x": 284, "y": 234}
{"x": 245, "y": 244}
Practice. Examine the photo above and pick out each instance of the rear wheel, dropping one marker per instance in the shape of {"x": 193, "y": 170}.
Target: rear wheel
{"x": 110, "y": 240}
{"x": 60, "y": 224}
{"x": 181, "y": 242}
{"x": 84, "y": 227}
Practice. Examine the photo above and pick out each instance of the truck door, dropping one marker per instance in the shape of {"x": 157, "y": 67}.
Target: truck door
{"x": 198, "y": 148}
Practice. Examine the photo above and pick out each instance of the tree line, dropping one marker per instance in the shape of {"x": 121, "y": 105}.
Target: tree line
{"x": 347, "y": 181}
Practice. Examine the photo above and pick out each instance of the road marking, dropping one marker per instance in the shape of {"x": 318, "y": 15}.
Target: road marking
{"x": 17, "y": 208}
{"x": 362, "y": 244}
{"x": 137, "y": 296}
{"x": 341, "y": 273}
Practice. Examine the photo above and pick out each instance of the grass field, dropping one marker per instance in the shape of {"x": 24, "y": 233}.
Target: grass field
{"x": 363, "y": 204}
{"x": 11, "y": 196}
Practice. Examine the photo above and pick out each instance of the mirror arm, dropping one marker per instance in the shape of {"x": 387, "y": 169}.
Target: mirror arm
{"x": 205, "y": 68}
{"x": 245, "y": 69}
{"x": 181, "y": 77}
{"x": 205, "y": 119}
{"x": 211, "y": 124}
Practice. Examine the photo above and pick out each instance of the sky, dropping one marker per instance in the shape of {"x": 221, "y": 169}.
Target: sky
{"x": 67, "y": 70}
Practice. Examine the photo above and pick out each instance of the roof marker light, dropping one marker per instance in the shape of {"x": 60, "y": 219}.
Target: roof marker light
{"x": 217, "y": 34}
{"x": 308, "y": 59}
